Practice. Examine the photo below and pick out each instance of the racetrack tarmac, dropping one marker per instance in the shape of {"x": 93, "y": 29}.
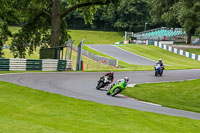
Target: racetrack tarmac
{"x": 82, "y": 85}
{"x": 121, "y": 54}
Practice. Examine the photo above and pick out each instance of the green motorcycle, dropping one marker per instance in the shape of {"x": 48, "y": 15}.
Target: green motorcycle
{"x": 117, "y": 88}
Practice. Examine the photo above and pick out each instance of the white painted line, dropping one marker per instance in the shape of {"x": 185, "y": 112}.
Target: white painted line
{"x": 121, "y": 49}
{"x": 139, "y": 56}
{"x": 168, "y": 81}
{"x": 99, "y": 51}
{"x": 11, "y": 73}
{"x": 131, "y": 85}
{"x": 135, "y": 54}
{"x": 149, "y": 103}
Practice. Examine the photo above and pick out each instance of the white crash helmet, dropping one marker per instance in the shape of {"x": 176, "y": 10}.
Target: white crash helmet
{"x": 126, "y": 79}
{"x": 160, "y": 60}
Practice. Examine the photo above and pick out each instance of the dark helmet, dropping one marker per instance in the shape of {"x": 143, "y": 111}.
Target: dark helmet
{"x": 126, "y": 79}
{"x": 112, "y": 72}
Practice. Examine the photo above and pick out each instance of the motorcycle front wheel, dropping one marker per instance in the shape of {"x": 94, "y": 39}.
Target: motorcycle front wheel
{"x": 156, "y": 73}
{"x": 161, "y": 73}
{"x": 116, "y": 91}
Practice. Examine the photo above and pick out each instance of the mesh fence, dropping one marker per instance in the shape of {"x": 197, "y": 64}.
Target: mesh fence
{"x": 96, "y": 58}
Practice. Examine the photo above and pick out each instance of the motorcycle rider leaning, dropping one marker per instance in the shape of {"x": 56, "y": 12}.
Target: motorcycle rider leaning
{"x": 126, "y": 79}
{"x": 110, "y": 76}
{"x": 161, "y": 64}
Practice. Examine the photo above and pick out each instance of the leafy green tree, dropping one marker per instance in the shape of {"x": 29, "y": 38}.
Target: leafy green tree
{"x": 133, "y": 14}
{"x": 4, "y": 32}
{"x": 130, "y": 15}
{"x": 37, "y": 17}
{"x": 178, "y": 12}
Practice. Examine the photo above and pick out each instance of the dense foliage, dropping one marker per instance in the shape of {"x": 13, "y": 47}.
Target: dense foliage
{"x": 185, "y": 13}
{"x": 45, "y": 23}
{"x": 128, "y": 15}
{"x": 5, "y": 16}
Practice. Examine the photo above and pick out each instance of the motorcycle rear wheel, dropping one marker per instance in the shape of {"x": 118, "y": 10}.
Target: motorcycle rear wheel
{"x": 100, "y": 84}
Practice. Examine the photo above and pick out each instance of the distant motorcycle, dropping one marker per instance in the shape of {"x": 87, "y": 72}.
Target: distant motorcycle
{"x": 158, "y": 70}
{"x": 103, "y": 81}
{"x": 117, "y": 88}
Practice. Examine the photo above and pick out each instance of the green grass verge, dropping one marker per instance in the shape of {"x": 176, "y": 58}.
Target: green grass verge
{"x": 181, "y": 95}
{"x": 25, "y": 110}
{"x": 8, "y": 54}
{"x": 91, "y": 37}
{"x": 152, "y": 52}
{"x": 95, "y": 37}
{"x": 193, "y": 50}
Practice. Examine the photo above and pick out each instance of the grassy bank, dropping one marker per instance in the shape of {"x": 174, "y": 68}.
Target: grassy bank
{"x": 8, "y": 54}
{"x": 193, "y": 50}
{"x": 95, "y": 37}
{"x": 182, "y": 95}
{"x": 27, "y": 110}
{"x": 91, "y": 37}
{"x": 173, "y": 60}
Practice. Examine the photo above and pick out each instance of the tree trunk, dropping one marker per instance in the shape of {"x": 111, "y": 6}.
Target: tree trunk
{"x": 189, "y": 36}
{"x": 55, "y": 23}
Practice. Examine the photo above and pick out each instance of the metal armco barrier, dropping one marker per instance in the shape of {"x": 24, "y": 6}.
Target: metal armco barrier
{"x": 4, "y": 64}
{"x": 69, "y": 65}
{"x": 62, "y": 65}
{"x": 17, "y": 65}
{"x": 34, "y": 65}
{"x": 49, "y": 64}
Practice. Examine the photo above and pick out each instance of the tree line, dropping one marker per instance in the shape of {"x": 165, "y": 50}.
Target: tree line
{"x": 46, "y": 23}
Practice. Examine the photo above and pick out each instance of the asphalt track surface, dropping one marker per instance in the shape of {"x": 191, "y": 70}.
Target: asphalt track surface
{"x": 82, "y": 85}
{"x": 121, "y": 54}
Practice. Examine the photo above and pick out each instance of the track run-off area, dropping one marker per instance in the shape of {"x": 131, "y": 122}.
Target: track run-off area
{"x": 82, "y": 85}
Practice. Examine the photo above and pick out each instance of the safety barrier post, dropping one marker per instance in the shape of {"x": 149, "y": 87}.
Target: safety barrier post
{"x": 82, "y": 65}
